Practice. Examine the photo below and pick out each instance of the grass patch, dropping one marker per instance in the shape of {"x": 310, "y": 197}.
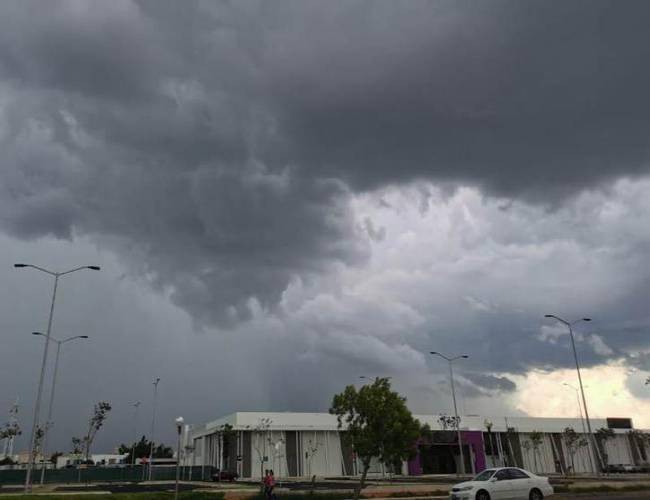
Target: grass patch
{"x": 347, "y": 495}
{"x": 603, "y": 488}
{"x": 158, "y": 495}
{"x": 407, "y": 494}
{"x": 307, "y": 496}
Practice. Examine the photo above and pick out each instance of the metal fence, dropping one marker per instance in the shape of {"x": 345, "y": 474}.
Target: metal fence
{"x": 108, "y": 474}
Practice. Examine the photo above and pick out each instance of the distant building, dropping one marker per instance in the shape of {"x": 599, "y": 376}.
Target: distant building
{"x": 305, "y": 444}
{"x": 97, "y": 458}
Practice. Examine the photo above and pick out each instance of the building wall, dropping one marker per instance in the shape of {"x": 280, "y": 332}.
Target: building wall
{"x": 310, "y": 444}
{"x": 313, "y": 452}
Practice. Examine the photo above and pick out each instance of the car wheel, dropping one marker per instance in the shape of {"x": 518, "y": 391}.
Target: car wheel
{"x": 482, "y": 495}
{"x": 535, "y": 494}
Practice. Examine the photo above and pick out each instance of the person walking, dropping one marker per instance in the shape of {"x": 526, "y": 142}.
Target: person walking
{"x": 270, "y": 486}
{"x": 265, "y": 483}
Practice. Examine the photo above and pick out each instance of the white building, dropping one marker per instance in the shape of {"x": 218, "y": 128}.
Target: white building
{"x": 305, "y": 444}
{"x": 97, "y": 458}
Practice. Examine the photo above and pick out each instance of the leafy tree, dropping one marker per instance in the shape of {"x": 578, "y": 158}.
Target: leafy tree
{"x": 602, "y": 436}
{"x": 100, "y": 414}
{"x": 448, "y": 422}
{"x": 55, "y": 456}
{"x": 377, "y": 423}
{"x": 77, "y": 446}
{"x": 38, "y": 440}
{"x": 142, "y": 449}
{"x": 9, "y": 430}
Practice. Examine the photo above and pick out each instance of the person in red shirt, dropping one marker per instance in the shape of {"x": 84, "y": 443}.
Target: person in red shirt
{"x": 269, "y": 485}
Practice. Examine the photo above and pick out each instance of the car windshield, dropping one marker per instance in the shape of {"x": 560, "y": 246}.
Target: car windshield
{"x": 485, "y": 475}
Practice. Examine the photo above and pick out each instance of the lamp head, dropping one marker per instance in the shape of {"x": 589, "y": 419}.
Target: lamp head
{"x": 20, "y": 265}
{"x": 37, "y": 333}
{"x": 94, "y": 268}
{"x": 586, "y": 319}
{"x": 179, "y": 425}
{"x": 464, "y": 356}
{"x": 83, "y": 336}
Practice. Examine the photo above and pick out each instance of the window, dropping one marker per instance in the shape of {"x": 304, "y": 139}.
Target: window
{"x": 502, "y": 475}
{"x": 517, "y": 474}
{"x": 485, "y": 475}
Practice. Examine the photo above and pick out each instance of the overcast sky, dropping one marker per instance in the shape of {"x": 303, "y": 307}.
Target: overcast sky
{"x": 284, "y": 196}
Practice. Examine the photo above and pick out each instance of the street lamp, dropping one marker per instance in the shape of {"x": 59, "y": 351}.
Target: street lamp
{"x": 48, "y": 422}
{"x": 179, "y": 429}
{"x": 582, "y": 419}
{"x": 153, "y": 426}
{"x": 453, "y": 395}
{"x": 569, "y": 325}
{"x": 136, "y": 406}
{"x": 39, "y": 393}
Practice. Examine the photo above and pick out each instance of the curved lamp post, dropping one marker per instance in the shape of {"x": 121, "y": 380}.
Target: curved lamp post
{"x": 39, "y": 393}
{"x": 48, "y": 422}
{"x": 453, "y": 395}
{"x": 569, "y": 325}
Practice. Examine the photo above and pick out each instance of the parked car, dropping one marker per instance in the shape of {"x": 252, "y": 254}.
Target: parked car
{"x": 224, "y": 475}
{"x": 503, "y": 483}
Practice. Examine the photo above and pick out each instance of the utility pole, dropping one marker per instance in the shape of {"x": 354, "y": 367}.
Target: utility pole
{"x": 153, "y": 426}
{"x": 453, "y": 395}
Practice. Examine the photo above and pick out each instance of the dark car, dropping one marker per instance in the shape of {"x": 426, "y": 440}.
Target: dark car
{"x": 224, "y": 475}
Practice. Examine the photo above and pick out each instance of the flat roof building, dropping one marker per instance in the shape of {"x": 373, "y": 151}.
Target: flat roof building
{"x": 304, "y": 444}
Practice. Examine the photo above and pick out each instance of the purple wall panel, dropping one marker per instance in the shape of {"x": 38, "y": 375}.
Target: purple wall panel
{"x": 472, "y": 438}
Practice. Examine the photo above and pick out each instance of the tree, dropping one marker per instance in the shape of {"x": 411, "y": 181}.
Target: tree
{"x": 526, "y": 446}
{"x": 378, "y": 424}
{"x": 448, "y": 422}
{"x": 225, "y": 434}
{"x": 536, "y": 440}
{"x": 38, "y": 440}
{"x": 639, "y": 439}
{"x": 259, "y": 445}
{"x": 311, "y": 452}
{"x": 583, "y": 442}
{"x": 55, "y": 456}
{"x": 9, "y": 430}
{"x": 492, "y": 448}
{"x": 77, "y": 446}
{"x": 100, "y": 414}
{"x": 142, "y": 448}
{"x": 602, "y": 436}
{"x": 571, "y": 440}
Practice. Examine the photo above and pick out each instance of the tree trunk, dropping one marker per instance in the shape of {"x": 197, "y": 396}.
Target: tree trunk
{"x": 362, "y": 481}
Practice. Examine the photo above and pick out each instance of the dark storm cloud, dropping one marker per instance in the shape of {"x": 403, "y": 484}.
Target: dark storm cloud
{"x": 491, "y": 383}
{"x": 217, "y": 144}
{"x": 532, "y": 99}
